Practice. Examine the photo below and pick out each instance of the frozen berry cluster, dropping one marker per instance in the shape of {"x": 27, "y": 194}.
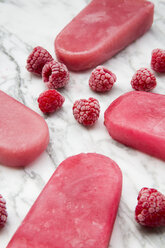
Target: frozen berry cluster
{"x": 54, "y": 74}
{"x": 144, "y": 79}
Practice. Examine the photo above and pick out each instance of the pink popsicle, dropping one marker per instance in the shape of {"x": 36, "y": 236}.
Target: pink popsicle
{"x": 24, "y": 134}
{"x": 101, "y": 30}
{"x": 137, "y": 119}
{"x": 76, "y": 209}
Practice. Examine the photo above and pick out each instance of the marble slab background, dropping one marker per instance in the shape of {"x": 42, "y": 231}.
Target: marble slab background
{"x": 26, "y": 24}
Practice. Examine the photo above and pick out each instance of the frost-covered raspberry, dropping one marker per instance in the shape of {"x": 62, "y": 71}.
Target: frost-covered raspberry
{"x": 158, "y": 60}
{"x": 3, "y": 212}
{"x": 50, "y": 100}
{"x": 143, "y": 80}
{"x": 101, "y": 79}
{"x": 55, "y": 74}
{"x": 150, "y": 210}
{"x": 86, "y": 112}
{"x": 37, "y": 59}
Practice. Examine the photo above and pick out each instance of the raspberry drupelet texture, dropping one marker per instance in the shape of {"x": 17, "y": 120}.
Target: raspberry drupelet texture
{"x": 158, "y": 60}
{"x": 55, "y": 74}
{"x": 3, "y": 212}
{"x": 150, "y": 210}
{"x": 50, "y": 100}
{"x": 86, "y": 112}
{"x": 143, "y": 80}
{"x": 101, "y": 79}
{"x": 37, "y": 59}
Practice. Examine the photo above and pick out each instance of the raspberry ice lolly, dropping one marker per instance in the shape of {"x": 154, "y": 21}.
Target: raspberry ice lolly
{"x": 137, "y": 119}
{"x": 23, "y": 133}
{"x": 76, "y": 209}
{"x": 101, "y": 30}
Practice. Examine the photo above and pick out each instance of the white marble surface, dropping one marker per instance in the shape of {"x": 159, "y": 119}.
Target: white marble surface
{"x": 26, "y": 24}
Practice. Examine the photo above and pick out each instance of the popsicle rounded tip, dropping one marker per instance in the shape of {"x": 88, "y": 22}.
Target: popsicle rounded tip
{"x": 75, "y": 61}
{"x": 137, "y": 119}
{"x": 24, "y": 133}
{"x": 101, "y": 30}
{"x": 83, "y": 194}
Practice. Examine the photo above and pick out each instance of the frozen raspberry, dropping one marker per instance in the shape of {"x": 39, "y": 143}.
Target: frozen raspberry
{"x": 101, "y": 79}
{"x": 37, "y": 59}
{"x": 56, "y": 74}
{"x": 86, "y": 112}
{"x": 3, "y": 212}
{"x": 150, "y": 210}
{"x": 158, "y": 60}
{"x": 50, "y": 100}
{"x": 143, "y": 80}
